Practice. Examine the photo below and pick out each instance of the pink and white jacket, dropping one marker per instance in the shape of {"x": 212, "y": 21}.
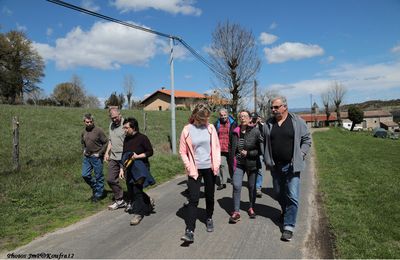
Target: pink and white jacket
{"x": 187, "y": 153}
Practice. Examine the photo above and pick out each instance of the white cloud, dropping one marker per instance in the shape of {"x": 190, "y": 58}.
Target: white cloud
{"x": 357, "y": 78}
{"x": 6, "y": 11}
{"x": 49, "y": 31}
{"x": 171, "y": 6}
{"x": 327, "y": 60}
{"x": 273, "y": 26}
{"x": 90, "y": 5}
{"x": 292, "y": 51}
{"x": 396, "y": 49}
{"x": 104, "y": 46}
{"x": 180, "y": 52}
{"x": 266, "y": 38}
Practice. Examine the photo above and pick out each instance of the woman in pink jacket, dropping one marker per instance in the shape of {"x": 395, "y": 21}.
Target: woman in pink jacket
{"x": 201, "y": 154}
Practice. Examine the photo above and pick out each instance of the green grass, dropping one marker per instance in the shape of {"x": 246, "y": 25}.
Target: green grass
{"x": 49, "y": 192}
{"x": 359, "y": 178}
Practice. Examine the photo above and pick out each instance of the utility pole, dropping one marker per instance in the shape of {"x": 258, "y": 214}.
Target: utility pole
{"x": 255, "y": 95}
{"x": 173, "y": 123}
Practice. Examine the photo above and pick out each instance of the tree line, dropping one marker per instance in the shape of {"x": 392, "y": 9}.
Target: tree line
{"x": 22, "y": 69}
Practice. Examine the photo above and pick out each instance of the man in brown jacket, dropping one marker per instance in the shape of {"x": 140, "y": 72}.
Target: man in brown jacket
{"x": 94, "y": 144}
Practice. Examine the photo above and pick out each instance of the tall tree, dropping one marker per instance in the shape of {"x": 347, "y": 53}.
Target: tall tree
{"x": 115, "y": 100}
{"x": 129, "y": 87}
{"x": 234, "y": 56}
{"x": 337, "y": 93}
{"x": 21, "y": 67}
{"x": 92, "y": 102}
{"x": 356, "y": 115}
{"x": 264, "y": 97}
{"x": 325, "y": 97}
{"x": 71, "y": 94}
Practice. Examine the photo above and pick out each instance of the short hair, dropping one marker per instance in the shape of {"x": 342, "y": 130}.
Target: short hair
{"x": 133, "y": 123}
{"x": 88, "y": 116}
{"x": 281, "y": 98}
{"x": 112, "y": 109}
{"x": 200, "y": 112}
{"x": 222, "y": 109}
{"x": 246, "y": 111}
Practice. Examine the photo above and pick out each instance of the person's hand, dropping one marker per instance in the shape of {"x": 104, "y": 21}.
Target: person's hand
{"x": 243, "y": 153}
{"x": 121, "y": 174}
{"x": 106, "y": 157}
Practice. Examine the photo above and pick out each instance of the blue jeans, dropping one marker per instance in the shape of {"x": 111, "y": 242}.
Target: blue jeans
{"x": 286, "y": 185}
{"x": 260, "y": 175}
{"x": 96, "y": 182}
{"x": 237, "y": 187}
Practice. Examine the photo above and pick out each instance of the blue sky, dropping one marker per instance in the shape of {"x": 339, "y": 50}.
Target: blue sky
{"x": 304, "y": 45}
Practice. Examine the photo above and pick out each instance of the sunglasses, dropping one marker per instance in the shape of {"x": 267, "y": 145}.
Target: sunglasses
{"x": 276, "y": 107}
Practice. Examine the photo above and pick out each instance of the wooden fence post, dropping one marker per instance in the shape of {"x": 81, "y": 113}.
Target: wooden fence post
{"x": 144, "y": 122}
{"x": 15, "y": 127}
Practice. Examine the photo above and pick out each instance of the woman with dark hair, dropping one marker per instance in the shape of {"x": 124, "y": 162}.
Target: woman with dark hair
{"x": 137, "y": 149}
{"x": 244, "y": 156}
{"x": 201, "y": 154}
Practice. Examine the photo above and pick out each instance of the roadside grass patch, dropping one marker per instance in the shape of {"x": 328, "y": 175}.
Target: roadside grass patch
{"x": 359, "y": 177}
{"x": 49, "y": 192}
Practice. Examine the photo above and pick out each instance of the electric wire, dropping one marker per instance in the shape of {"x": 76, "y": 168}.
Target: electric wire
{"x": 108, "y": 18}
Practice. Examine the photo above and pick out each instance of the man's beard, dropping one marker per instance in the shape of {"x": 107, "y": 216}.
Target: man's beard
{"x": 277, "y": 114}
{"x": 89, "y": 128}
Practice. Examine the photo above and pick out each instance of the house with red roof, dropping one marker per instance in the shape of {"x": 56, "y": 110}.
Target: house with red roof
{"x": 160, "y": 100}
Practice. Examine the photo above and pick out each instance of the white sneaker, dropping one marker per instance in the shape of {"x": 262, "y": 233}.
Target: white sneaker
{"x": 117, "y": 205}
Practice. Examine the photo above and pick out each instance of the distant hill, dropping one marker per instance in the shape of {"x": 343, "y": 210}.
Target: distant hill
{"x": 376, "y": 104}
{"x": 393, "y": 106}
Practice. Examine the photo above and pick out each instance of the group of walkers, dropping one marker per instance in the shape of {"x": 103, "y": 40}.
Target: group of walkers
{"x": 215, "y": 154}
{"x": 127, "y": 152}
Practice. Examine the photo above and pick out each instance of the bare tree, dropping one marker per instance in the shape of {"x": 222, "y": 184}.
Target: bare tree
{"x": 128, "y": 87}
{"x": 325, "y": 97}
{"x": 337, "y": 92}
{"x": 234, "y": 56}
{"x": 34, "y": 96}
{"x": 264, "y": 97}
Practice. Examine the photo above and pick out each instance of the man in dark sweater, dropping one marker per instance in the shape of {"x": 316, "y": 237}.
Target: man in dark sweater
{"x": 94, "y": 144}
{"x": 286, "y": 143}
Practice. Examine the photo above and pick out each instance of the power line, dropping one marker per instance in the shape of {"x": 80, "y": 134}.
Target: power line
{"x": 108, "y": 18}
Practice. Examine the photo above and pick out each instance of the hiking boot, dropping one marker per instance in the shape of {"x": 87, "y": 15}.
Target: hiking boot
{"x": 287, "y": 235}
{"x": 251, "y": 213}
{"x": 188, "y": 236}
{"x": 221, "y": 187}
{"x": 117, "y": 205}
{"x": 129, "y": 207}
{"x": 136, "y": 219}
{"x": 210, "y": 225}
{"x": 234, "y": 218}
{"x": 258, "y": 193}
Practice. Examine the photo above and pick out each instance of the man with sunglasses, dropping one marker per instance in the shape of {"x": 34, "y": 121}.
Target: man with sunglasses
{"x": 94, "y": 144}
{"x": 286, "y": 143}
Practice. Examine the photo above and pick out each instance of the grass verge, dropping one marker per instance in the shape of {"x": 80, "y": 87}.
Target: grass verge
{"x": 360, "y": 182}
{"x": 49, "y": 192}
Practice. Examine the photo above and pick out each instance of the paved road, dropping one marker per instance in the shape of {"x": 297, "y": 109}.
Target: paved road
{"x": 109, "y": 235}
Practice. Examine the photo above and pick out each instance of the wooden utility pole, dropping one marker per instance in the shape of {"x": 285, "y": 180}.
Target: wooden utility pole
{"x": 15, "y": 127}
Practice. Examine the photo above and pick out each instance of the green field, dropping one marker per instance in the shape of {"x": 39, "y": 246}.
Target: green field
{"x": 49, "y": 192}
{"x": 359, "y": 177}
